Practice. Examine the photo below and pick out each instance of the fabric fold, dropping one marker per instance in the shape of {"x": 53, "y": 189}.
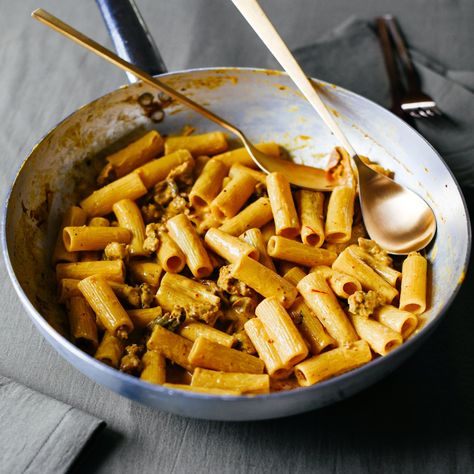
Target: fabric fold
{"x": 39, "y": 433}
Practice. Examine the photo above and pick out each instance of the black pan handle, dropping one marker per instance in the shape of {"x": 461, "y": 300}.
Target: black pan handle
{"x": 130, "y": 36}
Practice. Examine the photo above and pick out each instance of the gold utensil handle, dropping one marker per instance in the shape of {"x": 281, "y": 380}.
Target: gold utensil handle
{"x": 71, "y": 33}
{"x": 252, "y": 12}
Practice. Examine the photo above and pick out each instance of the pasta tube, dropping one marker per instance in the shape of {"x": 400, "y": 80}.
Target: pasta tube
{"x": 209, "y": 183}
{"x": 100, "y": 202}
{"x": 297, "y": 252}
{"x": 173, "y": 347}
{"x": 259, "y": 176}
{"x": 266, "y": 350}
{"x": 332, "y": 363}
{"x": 136, "y": 154}
{"x": 229, "y": 247}
{"x": 142, "y": 317}
{"x": 241, "y": 155}
{"x": 323, "y": 302}
{"x": 283, "y": 207}
{"x": 413, "y": 289}
{"x": 310, "y": 327}
{"x": 310, "y": 206}
{"x": 380, "y": 338}
{"x": 74, "y": 216}
{"x": 387, "y": 273}
{"x": 106, "y": 306}
{"x": 342, "y": 284}
{"x": 82, "y": 324}
{"x": 210, "y": 355}
{"x": 204, "y": 144}
{"x": 67, "y": 288}
{"x": 348, "y": 263}
{"x": 399, "y": 320}
{"x": 94, "y": 238}
{"x": 143, "y": 271}
{"x": 256, "y": 215}
{"x": 184, "y": 234}
{"x": 154, "y": 367}
{"x": 110, "y": 350}
{"x": 268, "y": 230}
{"x": 294, "y": 275}
{"x": 157, "y": 170}
{"x": 339, "y": 215}
{"x": 94, "y": 255}
{"x": 111, "y": 270}
{"x": 234, "y": 195}
{"x": 279, "y": 326}
{"x": 192, "y": 331}
{"x": 194, "y": 297}
{"x": 130, "y": 217}
{"x": 248, "y": 384}
{"x": 255, "y": 239}
{"x": 169, "y": 254}
{"x": 263, "y": 280}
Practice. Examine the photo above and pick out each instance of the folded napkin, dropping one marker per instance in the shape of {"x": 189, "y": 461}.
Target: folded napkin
{"x": 39, "y": 434}
{"x": 350, "y": 56}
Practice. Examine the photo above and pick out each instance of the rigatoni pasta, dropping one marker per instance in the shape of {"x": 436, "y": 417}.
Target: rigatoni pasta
{"x": 229, "y": 247}
{"x": 413, "y": 289}
{"x": 129, "y": 217}
{"x": 283, "y": 206}
{"x": 74, "y": 216}
{"x": 136, "y": 154}
{"x": 93, "y": 238}
{"x": 188, "y": 240}
{"x": 332, "y": 363}
{"x": 297, "y": 252}
{"x": 191, "y": 273}
{"x": 323, "y": 302}
{"x": 311, "y": 212}
{"x": 234, "y": 194}
{"x": 263, "y": 280}
{"x": 106, "y": 306}
{"x": 100, "y": 202}
{"x": 255, "y": 215}
{"x": 205, "y": 144}
{"x": 289, "y": 343}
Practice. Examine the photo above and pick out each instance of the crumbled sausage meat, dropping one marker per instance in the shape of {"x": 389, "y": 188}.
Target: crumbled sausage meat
{"x": 116, "y": 251}
{"x": 152, "y": 241}
{"x": 147, "y": 295}
{"x": 364, "y": 304}
{"x": 131, "y": 362}
{"x": 375, "y": 250}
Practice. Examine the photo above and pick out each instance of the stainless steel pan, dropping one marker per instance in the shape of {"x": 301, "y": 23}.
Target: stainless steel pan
{"x": 266, "y": 105}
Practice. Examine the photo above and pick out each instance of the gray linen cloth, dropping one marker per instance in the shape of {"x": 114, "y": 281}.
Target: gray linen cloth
{"x": 39, "y": 434}
{"x": 350, "y": 56}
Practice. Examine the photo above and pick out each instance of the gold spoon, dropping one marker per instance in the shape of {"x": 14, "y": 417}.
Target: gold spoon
{"x": 301, "y": 175}
{"x": 396, "y": 218}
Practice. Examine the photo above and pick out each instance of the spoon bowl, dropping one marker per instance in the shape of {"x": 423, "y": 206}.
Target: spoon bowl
{"x": 409, "y": 224}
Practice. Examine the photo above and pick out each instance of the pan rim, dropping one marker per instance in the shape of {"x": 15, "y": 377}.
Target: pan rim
{"x": 43, "y": 325}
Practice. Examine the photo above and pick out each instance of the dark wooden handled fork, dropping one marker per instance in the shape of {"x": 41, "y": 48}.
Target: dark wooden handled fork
{"x": 413, "y": 101}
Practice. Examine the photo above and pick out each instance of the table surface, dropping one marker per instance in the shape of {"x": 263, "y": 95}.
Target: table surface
{"x": 418, "y": 419}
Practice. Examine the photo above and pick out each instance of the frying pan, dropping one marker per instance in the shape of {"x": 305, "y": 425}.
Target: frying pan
{"x": 62, "y": 166}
